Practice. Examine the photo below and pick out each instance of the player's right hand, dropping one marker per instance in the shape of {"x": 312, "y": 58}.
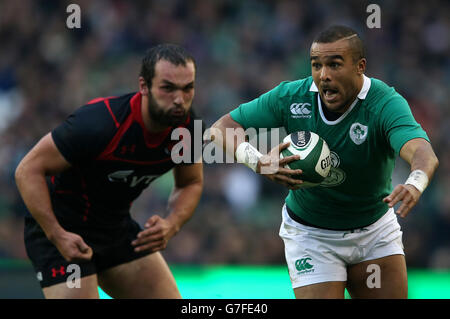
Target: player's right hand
{"x": 72, "y": 247}
{"x": 271, "y": 166}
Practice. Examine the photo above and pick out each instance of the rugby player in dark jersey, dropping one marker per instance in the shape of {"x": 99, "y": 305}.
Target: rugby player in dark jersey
{"x": 79, "y": 181}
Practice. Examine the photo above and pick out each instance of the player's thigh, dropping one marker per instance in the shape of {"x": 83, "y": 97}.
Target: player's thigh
{"x": 323, "y": 290}
{"x": 384, "y": 277}
{"x": 313, "y": 258}
{"x": 145, "y": 277}
{"x": 87, "y": 289}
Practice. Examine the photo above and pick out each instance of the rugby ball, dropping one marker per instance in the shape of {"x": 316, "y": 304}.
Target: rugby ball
{"x": 315, "y": 160}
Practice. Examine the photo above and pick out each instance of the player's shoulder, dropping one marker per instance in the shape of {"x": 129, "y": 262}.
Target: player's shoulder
{"x": 112, "y": 108}
{"x": 382, "y": 95}
{"x": 379, "y": 90}
{"x": 99, "y": 116}
{"x": 296, "y": 88}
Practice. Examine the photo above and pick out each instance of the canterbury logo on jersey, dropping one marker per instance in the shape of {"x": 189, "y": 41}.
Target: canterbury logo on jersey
{"x": 125, "y": 177}
{"x": 300, "y": 110}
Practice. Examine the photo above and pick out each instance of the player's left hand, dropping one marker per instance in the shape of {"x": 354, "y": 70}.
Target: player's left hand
{"x": 155, "y": 236}
{"x": 407, "y": 194}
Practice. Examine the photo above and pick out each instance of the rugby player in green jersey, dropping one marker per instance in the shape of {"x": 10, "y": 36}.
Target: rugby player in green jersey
{"x": 338, "y": 234}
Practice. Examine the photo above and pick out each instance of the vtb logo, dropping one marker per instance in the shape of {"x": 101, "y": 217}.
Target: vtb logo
{"x": 126, "y": 177}
{"x": 302, "y": 264}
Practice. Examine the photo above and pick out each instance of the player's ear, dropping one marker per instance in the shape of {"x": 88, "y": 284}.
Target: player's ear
{"x": 143, "y": 88}
{"x": 361, "y": 66}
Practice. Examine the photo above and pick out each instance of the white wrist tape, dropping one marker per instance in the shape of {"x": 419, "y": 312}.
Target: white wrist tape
{"x": 248, "y": 155}
{"x": 418, "y": 179}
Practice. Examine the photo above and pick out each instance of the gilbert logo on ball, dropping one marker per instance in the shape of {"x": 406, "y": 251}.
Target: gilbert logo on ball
{"x": 315, "y": 160}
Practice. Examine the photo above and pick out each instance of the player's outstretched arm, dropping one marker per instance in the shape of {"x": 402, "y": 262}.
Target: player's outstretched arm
{"x": 43, "y": 160}
{"x": 182, "y": 203}
{"x": 420, "y": 155}
{"x": 228, "y": 142}
{"x": 230, "y": 135}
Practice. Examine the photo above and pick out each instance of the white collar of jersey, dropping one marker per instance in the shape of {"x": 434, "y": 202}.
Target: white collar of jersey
{"x": 361, "y": 95}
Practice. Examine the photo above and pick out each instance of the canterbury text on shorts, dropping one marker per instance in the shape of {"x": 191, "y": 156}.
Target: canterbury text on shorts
{"x": 315, "y": 255}
{"x": 110, "y": 248}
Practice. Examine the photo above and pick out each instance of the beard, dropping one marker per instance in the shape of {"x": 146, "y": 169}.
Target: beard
{"x": 165, "y": 118}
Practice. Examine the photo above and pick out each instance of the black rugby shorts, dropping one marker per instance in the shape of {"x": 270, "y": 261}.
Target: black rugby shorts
{"x": 111, "y": 247}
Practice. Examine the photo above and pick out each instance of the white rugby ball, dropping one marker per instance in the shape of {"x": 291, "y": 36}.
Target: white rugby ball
{"x": 315, "y": 160}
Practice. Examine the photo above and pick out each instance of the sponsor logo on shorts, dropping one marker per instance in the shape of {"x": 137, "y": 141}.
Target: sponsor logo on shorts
{"x": 304, "y": 266}
{"x": 72, "y": 274}
{"x": 58, "y": 271}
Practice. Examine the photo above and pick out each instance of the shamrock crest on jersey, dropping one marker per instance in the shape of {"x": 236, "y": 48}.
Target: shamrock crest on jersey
{"x": 358, "y": 133}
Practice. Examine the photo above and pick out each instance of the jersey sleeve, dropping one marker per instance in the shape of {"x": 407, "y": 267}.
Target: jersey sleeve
{"x": 84, "y": 133}
{"x": 398, "y": 123}
{"x": 262, "y": 112}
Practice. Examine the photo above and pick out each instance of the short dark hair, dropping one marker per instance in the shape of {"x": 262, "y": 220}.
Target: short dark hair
{"x": 172, "y": 53}
{"x": 338, "y": 32}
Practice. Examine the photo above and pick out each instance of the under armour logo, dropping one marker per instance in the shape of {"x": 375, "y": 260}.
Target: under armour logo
{"x": 61, "y": 271}
{"x": 127, "y": 149}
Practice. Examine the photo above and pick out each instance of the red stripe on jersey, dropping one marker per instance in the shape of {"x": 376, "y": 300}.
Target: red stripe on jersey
{"x": 106, "y": 101}
{"x": 152, "y": 140}
{"x": 108, "y": 152}
{"x": 111, "y": 112}
{"x": 100, "y": 99}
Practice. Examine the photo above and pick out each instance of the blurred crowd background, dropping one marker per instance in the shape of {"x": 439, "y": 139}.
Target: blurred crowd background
{"x": 242, "y": 49}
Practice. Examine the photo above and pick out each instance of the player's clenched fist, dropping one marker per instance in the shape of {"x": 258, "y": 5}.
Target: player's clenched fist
{"x": 72, "y": 247}
{"x": 407, "y": 194}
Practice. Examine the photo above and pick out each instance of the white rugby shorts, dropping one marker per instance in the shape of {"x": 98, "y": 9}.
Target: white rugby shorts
{"x": 315, "y": 255}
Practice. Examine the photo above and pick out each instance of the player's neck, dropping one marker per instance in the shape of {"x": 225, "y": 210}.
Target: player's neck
{"x": 358, "y": 88}
{"x": 150, "y": 125}
{"x": 348, "y": 104}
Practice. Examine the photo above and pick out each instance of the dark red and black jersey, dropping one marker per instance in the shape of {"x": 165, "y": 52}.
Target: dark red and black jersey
{"x": 114, "y": 158}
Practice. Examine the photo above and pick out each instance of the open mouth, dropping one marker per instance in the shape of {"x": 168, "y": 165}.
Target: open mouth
{"x": 330, "y": 94}
{"x": 178, "y": 112}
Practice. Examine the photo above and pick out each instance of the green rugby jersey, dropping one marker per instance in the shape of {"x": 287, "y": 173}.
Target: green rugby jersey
{"x": 364, "y": 143}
